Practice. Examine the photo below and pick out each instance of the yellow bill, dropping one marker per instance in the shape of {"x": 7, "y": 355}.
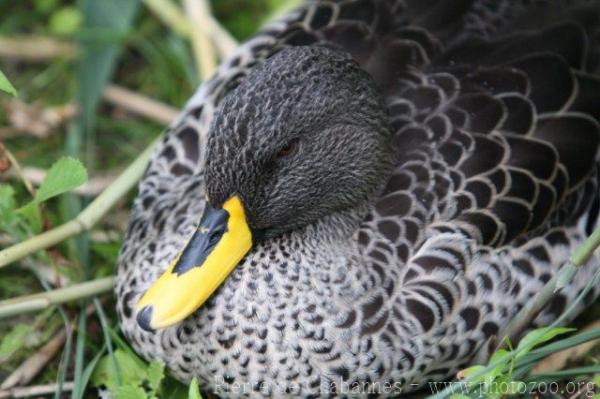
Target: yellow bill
{"x": 214, "y": 250}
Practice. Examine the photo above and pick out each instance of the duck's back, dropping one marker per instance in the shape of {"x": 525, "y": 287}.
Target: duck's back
{"x": 495, "y": 114}
{"x": 396, "y": 41}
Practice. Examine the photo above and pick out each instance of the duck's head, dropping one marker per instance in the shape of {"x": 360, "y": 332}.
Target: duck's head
{"x": 303, "y": 136}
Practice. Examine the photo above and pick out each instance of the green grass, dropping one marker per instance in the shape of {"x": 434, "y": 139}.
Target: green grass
{"x": 125, "y": 43}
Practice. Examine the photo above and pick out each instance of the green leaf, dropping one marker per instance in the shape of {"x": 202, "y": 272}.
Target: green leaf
{"x": 7, "y": 198}
{"x": 130, "y": 392}
{"x": 66, "y": 21}
{"x": 130, "y": 372}
{"x": 498, "y": 356}
{"x": 64, "y": 175}
{"x": 468, "y": 372}
{"x": 6, "y": 86}
{"x": 155, "y": 375}
{"x": 124, "y": 346}
{"x": 8, "y": 218}
{"x": 194, "y": 392}
{"x": 539, "y": 336}
{"x": 133, "y": 372}
{"x": 31, "y": 212}
{"x": 14, "y": 340}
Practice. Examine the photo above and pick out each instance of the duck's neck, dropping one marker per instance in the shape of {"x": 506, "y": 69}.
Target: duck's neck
{"x": 326, "y": 251}
{"x": 333, "y": 229}
{"x": 338, "y": 228}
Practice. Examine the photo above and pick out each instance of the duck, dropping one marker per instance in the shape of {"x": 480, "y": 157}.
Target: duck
{"x": 365, "y": 194}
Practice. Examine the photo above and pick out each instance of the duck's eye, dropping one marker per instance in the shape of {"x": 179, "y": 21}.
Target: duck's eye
{"x": 290, "y": 148}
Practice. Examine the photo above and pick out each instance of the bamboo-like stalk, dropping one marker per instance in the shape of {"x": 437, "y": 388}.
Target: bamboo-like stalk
{"x": 587, "y": 249}
{"x": 529, "y": 312}
{"x": 224, "y": 42}
{"x": 19, "y": 171}
{"x": 198, "y": 13}
{"x": 36, "y": 390}
{"x": 139, "y": 104}
{"x": 42, "y": 300}
{"x": 170, "y": 14}
{"x": 40, "y": 49}
{"x": 35, "y": 48}
{"x": 87, "y": 218}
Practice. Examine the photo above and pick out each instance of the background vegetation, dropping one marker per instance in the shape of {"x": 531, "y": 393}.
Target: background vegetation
{"x": 97, "y": 81}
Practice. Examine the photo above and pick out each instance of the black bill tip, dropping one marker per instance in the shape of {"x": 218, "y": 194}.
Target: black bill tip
{"x": 144, "y": 317}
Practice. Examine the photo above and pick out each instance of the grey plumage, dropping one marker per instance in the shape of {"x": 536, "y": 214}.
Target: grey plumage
{"x": 443, "y": 168}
